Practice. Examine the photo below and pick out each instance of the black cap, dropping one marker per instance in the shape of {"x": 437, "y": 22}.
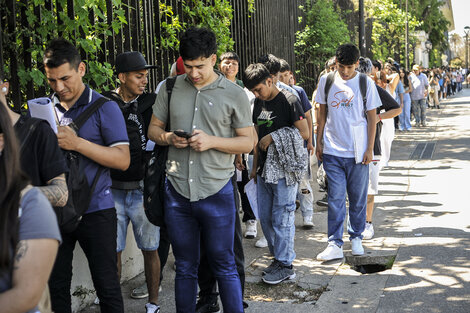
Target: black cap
{"x": 131, "y": 61}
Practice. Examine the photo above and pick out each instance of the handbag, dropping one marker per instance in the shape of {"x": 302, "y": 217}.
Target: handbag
{"x": 154, "y": 180}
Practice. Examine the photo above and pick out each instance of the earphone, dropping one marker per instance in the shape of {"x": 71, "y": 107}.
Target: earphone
{"x": 4, "y": 89}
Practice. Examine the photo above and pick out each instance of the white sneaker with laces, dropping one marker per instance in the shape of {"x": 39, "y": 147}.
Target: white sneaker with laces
{"x": 368, "y": 232}
{"x": 331, "y": 252}
{"x": 261, "y": 243}
{"x": 251, "y": 230}
{"x": 356, "y": 246}
{"x": 152, "y": 308}
{"x": 308, "y": 224}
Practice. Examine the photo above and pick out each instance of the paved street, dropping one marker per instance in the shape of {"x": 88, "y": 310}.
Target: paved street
{"x": 422, "y": 217}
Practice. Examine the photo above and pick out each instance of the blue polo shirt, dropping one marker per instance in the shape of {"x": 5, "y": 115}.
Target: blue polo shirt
{"x": 106, "y": 127}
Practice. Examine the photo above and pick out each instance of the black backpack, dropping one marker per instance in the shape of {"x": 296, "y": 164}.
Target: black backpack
{"x": 154, "y": 180}
{"x": 136, "y": 129}
{"x": 80, "y": 193}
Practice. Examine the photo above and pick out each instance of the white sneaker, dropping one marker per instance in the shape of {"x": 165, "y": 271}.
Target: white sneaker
{"x": 331, "y": 252}
{"x": 261, "y": 243}
{"x": 308, "y": 224}
{"x": 152, "y": 308}
{"x": 97, "y": 301}
{"x": 368, "y": 232}
{"x": 251, "y": 230}
{"x": 356, "y": 246}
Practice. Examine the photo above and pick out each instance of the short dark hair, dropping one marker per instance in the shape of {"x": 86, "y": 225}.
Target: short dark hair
{"x": 377, "y": 64}
{"x": 347, "y": 54}
{"x": 229, "y": 56}
{"x": 197, "y": 42}
{"x": 271, "y": 62}
{"x": 284, "y": 65}
{"x": 255, "y": 74}
{"x": 60, "y": 51}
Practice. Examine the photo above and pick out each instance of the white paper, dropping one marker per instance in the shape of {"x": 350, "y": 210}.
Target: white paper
{"x": 251, "y": 193}
{"x": 43, "y": 108}
{"x": 239, "y": 175}
{"x": 360, "y": 142}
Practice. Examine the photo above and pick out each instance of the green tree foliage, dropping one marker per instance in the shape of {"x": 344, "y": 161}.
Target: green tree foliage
{"x": 214, "y": 14}
{"x": 90, "y": 24}
{"x": 324, "y": 30}
{"x": 433, "y": 20}
{"x": 388, "y": 29}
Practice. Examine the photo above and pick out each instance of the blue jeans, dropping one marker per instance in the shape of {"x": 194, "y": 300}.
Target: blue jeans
{"x": 213, "y": 221}
{"x": 130, "y": 207}
{"x": 405, "y": 123}
{"x": 276, "y": 205}
{"x": 344, "y": 175}
{"x": 419, "y": 110}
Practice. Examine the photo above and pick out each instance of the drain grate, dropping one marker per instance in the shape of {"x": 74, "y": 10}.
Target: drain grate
{"x": 423, "y": 150}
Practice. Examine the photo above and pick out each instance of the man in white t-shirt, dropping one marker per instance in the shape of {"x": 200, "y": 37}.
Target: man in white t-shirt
{"x": 345, "y": 141}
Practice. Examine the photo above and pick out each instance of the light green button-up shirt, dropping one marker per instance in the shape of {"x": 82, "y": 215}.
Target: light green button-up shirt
{"x": 217, "y": 109}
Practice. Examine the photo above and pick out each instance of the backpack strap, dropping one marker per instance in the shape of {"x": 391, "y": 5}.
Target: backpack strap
{"x": 85, "y": 115}
{"x": 363, "y": 88}
{"x": 170, "y": 83}
{"x": 329, "y": 82}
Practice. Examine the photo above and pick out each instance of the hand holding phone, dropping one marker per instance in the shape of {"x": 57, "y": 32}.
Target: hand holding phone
{"x": 183, "y": 134}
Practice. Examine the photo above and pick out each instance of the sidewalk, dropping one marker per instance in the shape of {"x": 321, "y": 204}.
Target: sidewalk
{"x": 422, "y": 217}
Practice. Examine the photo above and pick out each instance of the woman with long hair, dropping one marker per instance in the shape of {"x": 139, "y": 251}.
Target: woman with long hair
{"x": 405, "y": 116}
{"x": 29, "y": 235}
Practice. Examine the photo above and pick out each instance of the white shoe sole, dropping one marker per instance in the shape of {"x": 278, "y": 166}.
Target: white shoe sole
{"x": 319, "y": 258}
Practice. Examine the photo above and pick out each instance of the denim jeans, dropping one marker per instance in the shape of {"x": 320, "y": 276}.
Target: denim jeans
{"x": 276, "y": 205}
{"x": 211, "y": 220}
{"x": 419, "y": 110}
{"x": 130, "y": 207}
{"x": 405, "y": 123}
{"x": 344, "y": 175}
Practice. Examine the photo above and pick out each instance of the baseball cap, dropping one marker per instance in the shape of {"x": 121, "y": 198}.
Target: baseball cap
{"x": 131, "y": 61}
{"x": 416, "y": 67}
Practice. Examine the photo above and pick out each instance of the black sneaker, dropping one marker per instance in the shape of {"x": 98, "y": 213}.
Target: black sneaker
{"x": 274, "y": 265}
{"x": 208, "y": 304}
{"x": 323, "y": 201}
{"x": 279, "y": 274}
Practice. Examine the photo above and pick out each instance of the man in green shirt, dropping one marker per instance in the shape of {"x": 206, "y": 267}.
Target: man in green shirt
{"x": 199, "y": 200}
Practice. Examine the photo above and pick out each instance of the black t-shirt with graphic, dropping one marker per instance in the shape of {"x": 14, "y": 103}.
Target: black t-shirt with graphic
{"x": 282, "y": 111}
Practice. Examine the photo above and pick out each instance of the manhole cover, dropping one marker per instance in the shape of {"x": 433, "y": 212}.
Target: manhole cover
{"x": 369, "y": 264}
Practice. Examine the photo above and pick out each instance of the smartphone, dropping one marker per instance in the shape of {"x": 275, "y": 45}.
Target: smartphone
{"x": 183, "y": 134}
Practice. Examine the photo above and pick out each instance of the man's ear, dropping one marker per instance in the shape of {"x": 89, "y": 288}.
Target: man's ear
{"x": 269, "y": 82}
{"x": 122, "y": 77}
{"x": 82, "y": 69}
{"x": 213, "y": 59}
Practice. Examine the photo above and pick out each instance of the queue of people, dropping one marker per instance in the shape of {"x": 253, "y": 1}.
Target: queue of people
{"x": 215, "y": 125}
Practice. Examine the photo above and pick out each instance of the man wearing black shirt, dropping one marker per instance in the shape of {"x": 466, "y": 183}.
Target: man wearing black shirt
{"x": 275, "y": 109}
{"x": 40, "y": 156}
{"x": 136, "y": 106}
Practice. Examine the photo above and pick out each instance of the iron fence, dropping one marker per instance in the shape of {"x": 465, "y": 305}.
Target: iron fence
{"x": 270, "y": 29}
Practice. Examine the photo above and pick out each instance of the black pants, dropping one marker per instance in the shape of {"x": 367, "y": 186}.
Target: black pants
{"x": 206, "y": 279}
{"x": 96, "y": 234}
{"x": 246, "y": 207}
